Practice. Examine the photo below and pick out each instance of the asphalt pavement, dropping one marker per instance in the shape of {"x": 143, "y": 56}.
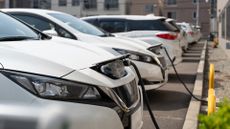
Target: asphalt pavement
{"x": 170, "y": 102}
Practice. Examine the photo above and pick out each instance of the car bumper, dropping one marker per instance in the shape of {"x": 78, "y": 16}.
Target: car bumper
{"x": 153, "y": 75}
{"x": 157, "y": 84}
{"x": 87, "y": 116}
{"x": 184, "y": 44}
{"x": 190, "y": 39}
{"x": 175, "y": 54}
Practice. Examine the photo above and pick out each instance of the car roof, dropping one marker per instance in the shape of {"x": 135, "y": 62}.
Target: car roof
{"x": 127, "y": 17}
{"x": 170, "y": 19}
{"x": 44, "y": 11}
{"x": 29, "y": 10}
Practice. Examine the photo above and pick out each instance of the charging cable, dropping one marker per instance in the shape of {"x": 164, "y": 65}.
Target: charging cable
{"x": 145, "y": 97}
{"x": 182, "y": 82}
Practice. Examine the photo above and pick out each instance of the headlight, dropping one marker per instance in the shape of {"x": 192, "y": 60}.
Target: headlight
{"x": 136, "y": 56}
{"x": 115, "y": 69}
{"x": 66, "y": 90}
{"x": 48, "y": 87}
{"x": 156, "y": 49}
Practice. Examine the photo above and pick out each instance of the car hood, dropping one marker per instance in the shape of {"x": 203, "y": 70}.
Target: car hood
{"x": 50, "y": 57}
{"x": 118, "y": 42}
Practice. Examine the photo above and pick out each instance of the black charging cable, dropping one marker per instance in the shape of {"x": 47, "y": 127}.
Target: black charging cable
{"x": 178, "y": 77}
{"x": 145, "y": 97}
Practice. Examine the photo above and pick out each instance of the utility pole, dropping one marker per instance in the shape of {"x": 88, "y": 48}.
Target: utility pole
{"x": 81, "y": 7}
{"x": 197, "y": 12}
{"x": 160, "y": 3}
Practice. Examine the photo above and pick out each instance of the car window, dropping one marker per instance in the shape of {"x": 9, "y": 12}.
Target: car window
{"x": 43, "y": 24}
{"x": 174, "y": 25}
{"x": 9, "y": 27}
{"x": 91, "y": 21}
{"x": 149, "y": 25}
{"x": 113, "y": 26}
{"x": 77, "y": 24}
{"x": 36, "y": 22}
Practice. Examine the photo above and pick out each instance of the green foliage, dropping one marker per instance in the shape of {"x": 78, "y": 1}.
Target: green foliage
{"x": 217, "y": 120}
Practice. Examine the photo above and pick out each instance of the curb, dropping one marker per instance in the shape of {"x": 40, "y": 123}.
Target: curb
{"x": 191, "y": 120}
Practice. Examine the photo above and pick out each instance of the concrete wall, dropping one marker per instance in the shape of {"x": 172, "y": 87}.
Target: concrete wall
{"x": 221, "y": 4}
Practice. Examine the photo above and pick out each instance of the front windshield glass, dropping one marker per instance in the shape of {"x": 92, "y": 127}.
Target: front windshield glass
{"x": 78, "y": 24}
{"x": 9, "y": 27}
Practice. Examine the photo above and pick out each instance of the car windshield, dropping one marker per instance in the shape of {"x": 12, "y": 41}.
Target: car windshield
{"x": 11, "y": 29}
{"x": 78, "y": 24}
{"x": 149, "y": 25}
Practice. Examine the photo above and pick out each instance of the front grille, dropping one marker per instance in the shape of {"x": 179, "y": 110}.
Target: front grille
{"x": 128, "y": 93}
{"x": 163, "y": 62}
{"x": 124, "y": 116}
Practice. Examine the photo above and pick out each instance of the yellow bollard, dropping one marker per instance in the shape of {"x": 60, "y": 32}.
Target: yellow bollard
{"x": 211, "y": 104}
{"x": 211, "y": 91}
{"x": 211, "y": 76}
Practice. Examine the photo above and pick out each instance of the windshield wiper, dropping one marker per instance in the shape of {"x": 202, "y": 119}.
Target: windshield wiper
{"x": 17, "y": 38}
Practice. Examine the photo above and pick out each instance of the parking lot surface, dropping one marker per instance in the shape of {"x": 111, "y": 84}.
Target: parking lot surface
{"x": 170, "y": 102}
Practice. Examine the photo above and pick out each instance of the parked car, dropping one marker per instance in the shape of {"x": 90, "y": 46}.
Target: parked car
{"x": 181, "y": 34}
{"x": 197, "y": 33}
{"x": 146, "y": 28}
{"x": 191, "y": 35}
{"x": 148, "y": 58}
{"x": 37, "y": 70}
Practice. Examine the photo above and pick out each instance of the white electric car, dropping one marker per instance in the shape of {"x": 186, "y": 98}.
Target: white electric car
{"x": 191, "y": 36}
{"x": 181, "y": 34}
{"x": 146, "y": 28}
{"x": 37, "y": 70}
{"x": 148, "y": 58}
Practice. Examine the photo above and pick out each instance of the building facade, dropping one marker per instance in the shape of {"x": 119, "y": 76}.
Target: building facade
{"x": 223, "y": 16}
{"x": 45, "y": 4}
{"x": 82, "y": 8}
{"x": 2, "y": 3}
{"x": 186, "y": 11}
{"x": 181, "y": 10}
{"x": 143, "y": 7}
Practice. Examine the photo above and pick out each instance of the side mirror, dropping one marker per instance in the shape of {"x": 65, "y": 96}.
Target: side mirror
{"x": 50, "y": 32}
